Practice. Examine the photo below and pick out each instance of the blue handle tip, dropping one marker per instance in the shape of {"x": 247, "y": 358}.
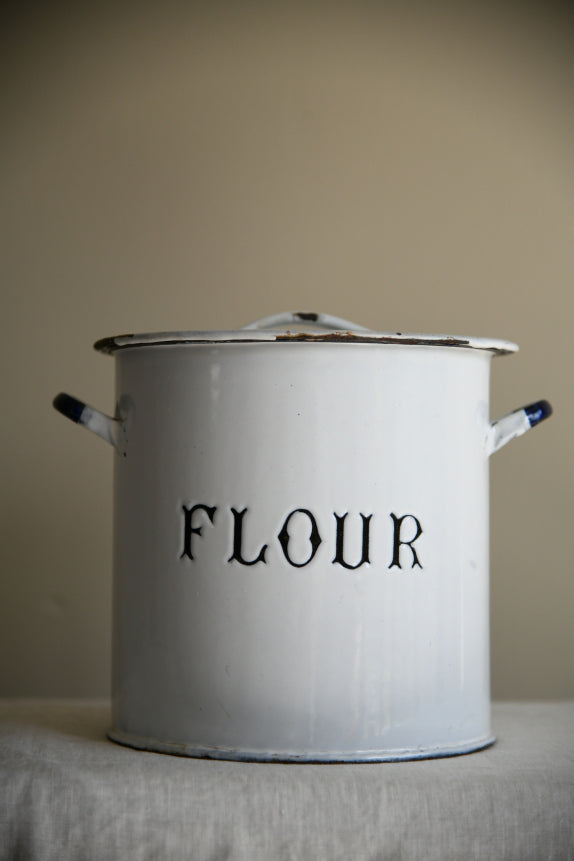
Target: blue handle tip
{"x": 537, "y": 412}
{"x": 70, "y": 407}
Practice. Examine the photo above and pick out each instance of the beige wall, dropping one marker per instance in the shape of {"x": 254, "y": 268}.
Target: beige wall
{"x": 166, "y": 166}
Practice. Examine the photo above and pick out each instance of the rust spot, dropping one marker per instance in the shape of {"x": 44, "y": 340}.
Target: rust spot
{"x": 109, "y": 345}
{"x": 357, "y": 338}
{"x": 326, "y": 336}
{"x": 307, "y": 315}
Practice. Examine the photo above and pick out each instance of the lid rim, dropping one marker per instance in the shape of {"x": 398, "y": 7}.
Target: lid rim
{"x": 118, "y": 343}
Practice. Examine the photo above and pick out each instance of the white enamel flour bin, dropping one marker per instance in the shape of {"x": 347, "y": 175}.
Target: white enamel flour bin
{"x": 301, "y": 540}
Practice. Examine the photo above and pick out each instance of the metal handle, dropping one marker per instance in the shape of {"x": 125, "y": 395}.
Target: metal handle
{"x": 515, "y": 424}
{"x": 106, "y": 427}
{"x": 323, "y": 321}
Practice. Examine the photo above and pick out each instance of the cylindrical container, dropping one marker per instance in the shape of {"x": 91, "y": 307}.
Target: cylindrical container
{"x": 301, "y": 540}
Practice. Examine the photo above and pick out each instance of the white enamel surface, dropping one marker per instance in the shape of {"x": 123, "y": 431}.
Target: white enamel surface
{"x": 506, "y": 429}
{"x": 100, "y": 424}
{"x": 317, "y": 661}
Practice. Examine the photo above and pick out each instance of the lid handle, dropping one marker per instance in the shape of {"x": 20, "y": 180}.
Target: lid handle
{"x": 322, "y": 321}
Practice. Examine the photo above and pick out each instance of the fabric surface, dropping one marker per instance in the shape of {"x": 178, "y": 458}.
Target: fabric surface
{"x": 66, "y": 792}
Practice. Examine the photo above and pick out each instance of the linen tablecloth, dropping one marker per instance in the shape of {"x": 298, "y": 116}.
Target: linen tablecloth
{"x": 67, "y": 792}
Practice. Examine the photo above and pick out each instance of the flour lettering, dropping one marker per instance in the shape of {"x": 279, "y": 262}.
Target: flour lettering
{"x": 298, "y": 538}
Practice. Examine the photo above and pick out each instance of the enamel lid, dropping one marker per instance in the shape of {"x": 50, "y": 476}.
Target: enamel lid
{"x": 301, "y": 327}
